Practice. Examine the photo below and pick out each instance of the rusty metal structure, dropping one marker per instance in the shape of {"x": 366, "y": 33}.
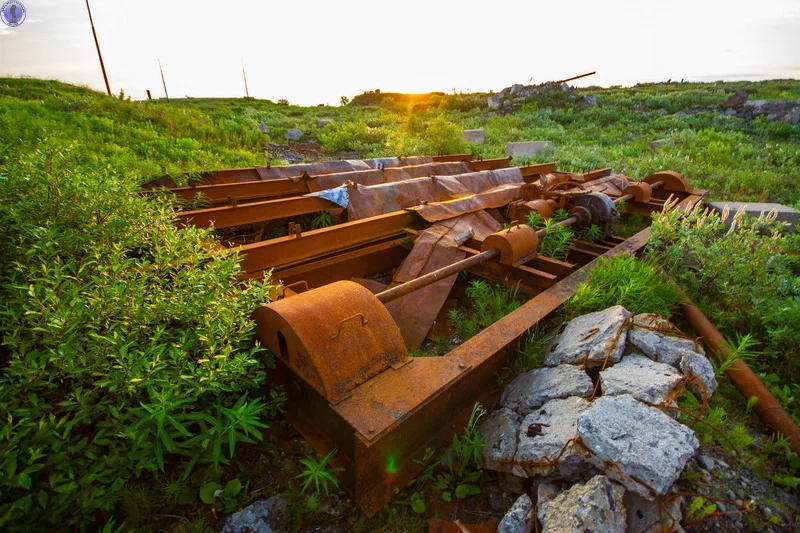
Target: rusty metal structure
{"x": 359, "y": 295}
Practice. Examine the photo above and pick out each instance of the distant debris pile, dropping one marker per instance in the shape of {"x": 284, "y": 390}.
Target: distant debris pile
{"x": 511, "y": 98}
{"x": 738, "y": 105}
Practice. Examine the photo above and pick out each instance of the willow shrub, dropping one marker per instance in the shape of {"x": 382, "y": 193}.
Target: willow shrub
{"x": 127, "y": 345}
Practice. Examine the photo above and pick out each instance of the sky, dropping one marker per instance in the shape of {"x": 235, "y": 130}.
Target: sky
{"x": 313, "y": 52}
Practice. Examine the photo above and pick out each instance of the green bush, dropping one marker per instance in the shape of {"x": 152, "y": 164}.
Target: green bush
{"x": 746, "y": 279}
{"x": 352, "y": 136}
{"x": 129, "y": 349}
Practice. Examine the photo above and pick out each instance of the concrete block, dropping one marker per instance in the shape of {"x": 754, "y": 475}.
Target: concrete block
{"x": 474, "y": 136}
{"x": 527, "y": 149}
{"x": 785, "y": 213}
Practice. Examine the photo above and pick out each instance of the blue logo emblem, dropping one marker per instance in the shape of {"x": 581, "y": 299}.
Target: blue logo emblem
{"x": 13, "y": 13}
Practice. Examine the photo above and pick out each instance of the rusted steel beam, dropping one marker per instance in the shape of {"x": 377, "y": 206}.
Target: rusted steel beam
{"x": 577, "y": 77}
{"x": 490, "y": 164}
{"x": 534, "y": 170}
{"x": 454, "y": 158}
{"x": 363, "y": 262}
{"x": 247, "y": 190}
{"x": 289, "y": 250}
{"x": 531, "y": 280}
{"x": 229, "y": 216}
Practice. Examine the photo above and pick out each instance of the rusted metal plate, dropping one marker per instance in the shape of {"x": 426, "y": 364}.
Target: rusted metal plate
{"x": 389, "y": 175}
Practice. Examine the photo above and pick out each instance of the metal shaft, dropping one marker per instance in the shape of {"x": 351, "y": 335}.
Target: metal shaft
{"x": 432, "y": 277}
{"x": 97, "y": 44}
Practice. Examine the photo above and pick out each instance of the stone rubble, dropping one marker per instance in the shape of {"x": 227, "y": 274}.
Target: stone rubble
{"x": 519, "y": 518}
{"x": 532, "y": 389}
{"x": 591, "y": 338}
{"x": 616, "y": 450}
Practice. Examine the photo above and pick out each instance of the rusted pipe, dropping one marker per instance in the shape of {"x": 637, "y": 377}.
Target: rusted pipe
{"x": 577, "y": 77}
{"x": 768, "y": 409}
{"x": 432, "y": 277}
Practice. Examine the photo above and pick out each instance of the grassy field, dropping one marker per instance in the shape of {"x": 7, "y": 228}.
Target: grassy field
{"x": 125, "y": 390}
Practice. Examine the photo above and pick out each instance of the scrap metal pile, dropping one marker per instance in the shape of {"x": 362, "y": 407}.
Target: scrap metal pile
{"x": 360, "y": 294}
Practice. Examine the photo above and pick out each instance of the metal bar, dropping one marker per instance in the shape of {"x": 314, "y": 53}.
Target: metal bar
{"x": 432, "y": 277}
{"x": 577, "y": 77}
{"x": 97, "y": 44}
{"x": 768, "y": 409}
{"x": 226, "y": 217}
{"x": 455, "y": 158}
{"x": 490, "y": 164}
{"x": 285, "y": 251}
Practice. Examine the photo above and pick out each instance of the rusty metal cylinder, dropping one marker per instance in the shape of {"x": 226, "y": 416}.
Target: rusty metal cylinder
{"x": 335, "y": 337}
{"x": 519, "y": 211}
{"x": 642, "y": 192}
{"x": 515, "y": 244}
{"x": 670, "y": 181}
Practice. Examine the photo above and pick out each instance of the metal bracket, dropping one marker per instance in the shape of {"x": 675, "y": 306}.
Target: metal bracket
{"x": 339, "y": 329}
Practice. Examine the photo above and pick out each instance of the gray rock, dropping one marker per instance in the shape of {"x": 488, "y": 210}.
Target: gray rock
{"x": 324, "y": 122}
{"x": 527, "y": 149}
{"x": 702, "y": 382}
{"x": 263, "y": 516}
{"x": 655, "y": 145}
{"x": 641, "y": 441}
{"x": 680, "y": 114}
{"x": 645, "y": 380}
{"x": 644, "y": 516}
{"x": 590, "y": 99}
{"x": 532, "y": 389}
{"x": 474, "y": 136}
{"x": 499, "y": 432}
{"x": 647, "y": 334}
{"x": 294, "y": 135}
{"x": 591, "y": 338}
{"x": 735, "y": 101}
{"x": 263, "y": 127}
{"x": 518, "y": 519}
{"x": 516, "y": 88}
{"x": 494, "y": 101}
{"x": 595, "y": 506}
{"x": 545, "y": 433}
{"x": 785, "y": 214}
{"x": 706, "y": 462}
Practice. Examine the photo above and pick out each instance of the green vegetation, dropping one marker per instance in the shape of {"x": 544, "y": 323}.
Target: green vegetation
{"x": 131, "y": 386}
{"x": 319, "y": 473}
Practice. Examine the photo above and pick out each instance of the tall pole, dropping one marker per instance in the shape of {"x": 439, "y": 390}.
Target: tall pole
{"x": 97, "y": 44}
{"x": 163, "y": 80}
{"x": 246, "y": 90}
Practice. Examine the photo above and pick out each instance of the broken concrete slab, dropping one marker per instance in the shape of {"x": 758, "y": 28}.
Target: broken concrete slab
{"x": 785, "y": 213}
{"x": 264, "y": 516}
{"x": 648, "y": 334}
{"x": 702, "y": 381}
{"x": 323, "y": 122}
{"x": 631, "y": 440}
{"x": 499, "y": 432}
{"x": 594, "y": 506}
{"x": 545, "y": 435}
{"x": 591, "y": 338}
{"x": 474, "y": 136}
{"x": 527, "y": 149}
{"x": 645, "y": 516}
{"x": 642, "y": 378}
{"x": 518, "y": 519}
{"x": 532, "y": 389}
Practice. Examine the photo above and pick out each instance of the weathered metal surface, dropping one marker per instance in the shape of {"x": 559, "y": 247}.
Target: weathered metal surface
{"x": 670, "y": 181}
{"x": 335, "y": 337}
{"x": 517, "y": 244}
{"x": 230, "y": 216}
{"x": 286, "y": 251}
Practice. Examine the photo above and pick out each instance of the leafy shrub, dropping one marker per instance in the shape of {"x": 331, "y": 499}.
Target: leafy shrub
{"x": 352, "y": 136}
{"x": 746, "y": 278}
{"x": 129, "y": 347}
